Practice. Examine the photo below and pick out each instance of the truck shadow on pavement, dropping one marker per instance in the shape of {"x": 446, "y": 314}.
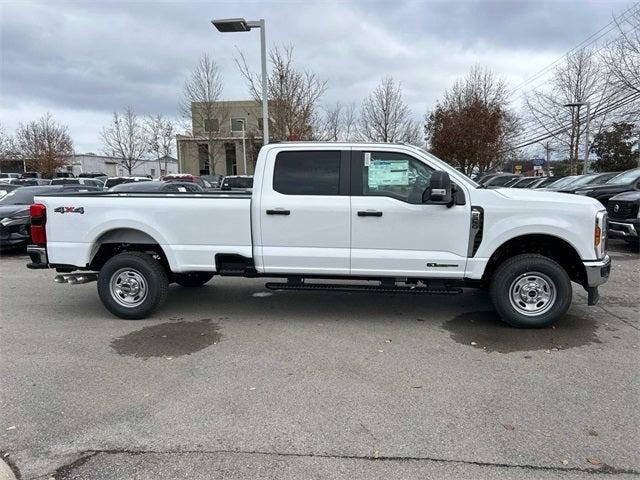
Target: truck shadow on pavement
{"x": 484, "y": 330}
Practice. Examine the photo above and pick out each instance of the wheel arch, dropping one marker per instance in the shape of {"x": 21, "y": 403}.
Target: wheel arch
{"x": 548, "y": 245}
{"x": 122, "y": 239}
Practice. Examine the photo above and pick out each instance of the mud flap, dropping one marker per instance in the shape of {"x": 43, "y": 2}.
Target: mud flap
{"x": 592, "y": 295}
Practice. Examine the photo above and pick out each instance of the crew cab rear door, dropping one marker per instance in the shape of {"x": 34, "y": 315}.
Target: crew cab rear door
{"x": 392, "y": 232}
{"x": 305, "y": 212}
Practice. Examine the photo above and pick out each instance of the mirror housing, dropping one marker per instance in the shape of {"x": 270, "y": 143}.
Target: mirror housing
{"x": 439, "y": 191}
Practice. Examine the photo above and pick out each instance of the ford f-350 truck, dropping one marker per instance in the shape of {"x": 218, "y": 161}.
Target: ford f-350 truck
{"x": 386, "y": 218}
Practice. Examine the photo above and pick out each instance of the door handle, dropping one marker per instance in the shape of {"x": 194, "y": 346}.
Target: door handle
{"x": 278, "y": 211}
{"x": 369, "y": 213}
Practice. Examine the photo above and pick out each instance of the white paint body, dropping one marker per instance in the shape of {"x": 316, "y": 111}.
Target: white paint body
{"x": 323, "y": 234}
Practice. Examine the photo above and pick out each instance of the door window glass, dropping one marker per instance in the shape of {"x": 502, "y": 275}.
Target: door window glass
{"x": 395, "y": 175}
{"x": 307, "y": 173}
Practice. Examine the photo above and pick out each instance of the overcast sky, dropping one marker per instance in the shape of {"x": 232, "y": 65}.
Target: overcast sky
{"x": 81, "y": 60}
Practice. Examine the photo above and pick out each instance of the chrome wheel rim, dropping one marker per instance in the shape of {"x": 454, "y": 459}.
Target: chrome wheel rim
{"x": 532, "y": 294}
{"x": 128, "y": 287}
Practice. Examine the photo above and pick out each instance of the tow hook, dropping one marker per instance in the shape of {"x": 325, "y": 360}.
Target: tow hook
{"x": 76, "y": 278}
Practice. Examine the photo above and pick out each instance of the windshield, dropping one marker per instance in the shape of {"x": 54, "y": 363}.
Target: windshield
{"x": 466, "y": 177}
{"x": 563, "y": 182}
{"x": 625, "y": 177}
{"x": 582, "y": 180}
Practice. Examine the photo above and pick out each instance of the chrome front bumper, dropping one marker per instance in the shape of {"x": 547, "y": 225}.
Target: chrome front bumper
{"x": 597, "y": 271}
{"x": 38, "y": 257}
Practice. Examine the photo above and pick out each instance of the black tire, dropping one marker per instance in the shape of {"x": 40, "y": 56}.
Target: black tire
{"x": 144, "y": 272}
{"x": 192, "y": 279}
{"x": 532, "y": 278}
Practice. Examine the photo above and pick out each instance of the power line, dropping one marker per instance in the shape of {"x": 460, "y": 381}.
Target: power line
{"x": 588, "y": 41}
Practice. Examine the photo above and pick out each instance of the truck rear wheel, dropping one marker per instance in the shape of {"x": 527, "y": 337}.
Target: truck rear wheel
{"x": 132, "y": 285}
{"x": 530, "y": 291}
{"x": 192, "y": 279}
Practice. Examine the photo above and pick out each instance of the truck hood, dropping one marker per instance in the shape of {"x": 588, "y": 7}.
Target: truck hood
{"x": 540, "y": 197}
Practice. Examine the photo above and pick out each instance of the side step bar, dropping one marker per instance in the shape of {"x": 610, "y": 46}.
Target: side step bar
{"x": 363, "y": 288}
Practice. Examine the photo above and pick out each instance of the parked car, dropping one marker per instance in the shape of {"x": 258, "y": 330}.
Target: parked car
{"x": 542, "y": 182}
{"x": 160, "y": 186}
{"x": 587, "y": 180}
{"x": 560, "y": 182}
{"x": 500, "y": 181}
{"x": 63, "y": 175}
{"x": 623, "y": 182}
{"x": 237, "y": 182}
{"x": 392, "y": 213}
{"x": 14, "y": 212}
{"x": 485, "y": 177}
{"x": 187, "y": 177}
{"x": 100, "y": 176}
{"x": 113, "y": 181}
{"x": 30, "y": 175}
{"x": 6, "y": 188}
{"x": 93, "y": 182}
{"x": 214, "y": 180}
{"x": 624, "y": 217}
{"x": 524, "y": 182}
{"x": 9, "y": 175}
{"x": 33, "y": 182}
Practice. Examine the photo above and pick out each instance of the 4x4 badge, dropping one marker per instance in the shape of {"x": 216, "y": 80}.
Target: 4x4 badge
{"x": 69, "y": 210}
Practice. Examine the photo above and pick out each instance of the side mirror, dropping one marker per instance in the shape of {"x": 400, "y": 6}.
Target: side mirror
{"x": 439, "y": 191}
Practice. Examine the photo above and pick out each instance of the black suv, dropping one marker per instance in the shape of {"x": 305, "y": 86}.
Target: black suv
{"x": 625, "y": 182}
{"x": 624, "y": 221}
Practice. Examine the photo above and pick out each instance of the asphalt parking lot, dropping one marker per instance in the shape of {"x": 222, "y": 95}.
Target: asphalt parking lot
{"x": 234, "y": 381}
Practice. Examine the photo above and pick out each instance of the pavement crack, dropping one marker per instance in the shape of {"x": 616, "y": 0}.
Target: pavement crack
{"x": 622, "y": 319}
{"x": 85, "y": 456}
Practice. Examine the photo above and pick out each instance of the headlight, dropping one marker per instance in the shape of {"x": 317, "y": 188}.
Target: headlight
{"x": 600, "y": 234}
{"x": 7, "y": 222}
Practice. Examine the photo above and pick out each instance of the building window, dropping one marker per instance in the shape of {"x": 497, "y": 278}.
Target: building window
{"x": 260, "y": 123}
{"x": 211, "y": 125}
{"x": 237, "y": 124}
{"x": 153, "y": 172}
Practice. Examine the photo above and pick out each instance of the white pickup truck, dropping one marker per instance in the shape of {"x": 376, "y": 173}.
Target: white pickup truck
{"x": 380, "y": 217}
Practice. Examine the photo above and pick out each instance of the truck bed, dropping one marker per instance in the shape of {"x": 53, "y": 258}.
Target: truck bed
{"x": 191, "y": 228}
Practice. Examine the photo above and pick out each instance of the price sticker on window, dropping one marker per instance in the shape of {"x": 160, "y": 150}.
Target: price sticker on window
{"x": 367, "y": 159}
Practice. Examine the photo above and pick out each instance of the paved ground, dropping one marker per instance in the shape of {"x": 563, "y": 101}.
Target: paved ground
{"x": 230, "y": 381}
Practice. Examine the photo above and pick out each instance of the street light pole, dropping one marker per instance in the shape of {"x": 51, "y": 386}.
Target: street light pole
{"x": 244, "y": 149}
{"x": 585, "y": 168}
{"x": 241, "y": 25}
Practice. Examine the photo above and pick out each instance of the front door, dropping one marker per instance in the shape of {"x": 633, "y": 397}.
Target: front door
{"x": 305, "y": 213}
{"x": 392, "y": 232}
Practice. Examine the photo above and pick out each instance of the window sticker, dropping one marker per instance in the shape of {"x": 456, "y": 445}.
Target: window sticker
{"x": 388, "y": 173}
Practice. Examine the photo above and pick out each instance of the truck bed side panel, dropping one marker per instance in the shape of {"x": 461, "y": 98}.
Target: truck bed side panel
{"x": 190, "y": 230}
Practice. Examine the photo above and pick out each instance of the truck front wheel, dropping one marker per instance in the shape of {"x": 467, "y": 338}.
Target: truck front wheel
{"x": 132, "y": 285}
{"x": 530, "y": 291}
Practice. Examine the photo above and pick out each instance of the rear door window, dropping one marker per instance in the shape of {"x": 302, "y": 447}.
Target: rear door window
{"x": 307, "y": 173}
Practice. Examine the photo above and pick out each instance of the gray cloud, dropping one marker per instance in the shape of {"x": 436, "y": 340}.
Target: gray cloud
{"x": 83, "y": 60}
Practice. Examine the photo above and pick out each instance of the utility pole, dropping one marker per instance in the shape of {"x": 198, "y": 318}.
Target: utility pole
{"x": 548, "y": 150}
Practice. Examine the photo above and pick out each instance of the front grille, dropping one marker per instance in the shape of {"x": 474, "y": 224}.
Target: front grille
{"x": 622, "y": 210}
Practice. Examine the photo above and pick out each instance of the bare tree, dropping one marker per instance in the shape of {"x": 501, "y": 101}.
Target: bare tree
{"x": 293, "y": 95}
{"x": 472, "y": 126}
{"x": 200, "y": 105}
{"x": 622, "y": 56}
{"x": 339, "y": 123}
{"x": 161, "y": 134}
{"x": 7, "y": 146}
{"x": 44, "y": 144}
{"x": 125, "y": 137}
{"x": 579, "y": 79}
{"x": 384, "y": 117}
